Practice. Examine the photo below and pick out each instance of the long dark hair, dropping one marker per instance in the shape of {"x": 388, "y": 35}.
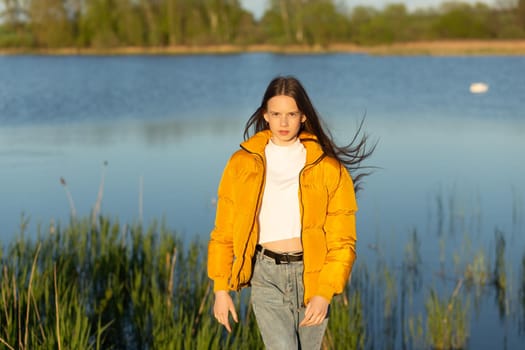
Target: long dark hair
{"x": 351, "y": 156}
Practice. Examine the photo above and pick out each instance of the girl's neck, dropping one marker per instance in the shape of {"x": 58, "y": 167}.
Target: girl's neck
{"x": 291, "y": 143}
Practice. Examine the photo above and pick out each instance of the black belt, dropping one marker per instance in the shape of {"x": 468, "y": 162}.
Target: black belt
{"x": 280, "y": 258}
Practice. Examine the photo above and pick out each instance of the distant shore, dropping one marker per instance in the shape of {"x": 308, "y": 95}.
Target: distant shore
{"x": 432, "y": 48}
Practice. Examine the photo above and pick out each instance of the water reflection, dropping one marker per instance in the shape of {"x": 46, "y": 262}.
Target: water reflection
{"x": 174, "y": 158}
{"x": 521, "y": 295}
{"x": 500, "y": 276}
{"x": 147, "y": 134}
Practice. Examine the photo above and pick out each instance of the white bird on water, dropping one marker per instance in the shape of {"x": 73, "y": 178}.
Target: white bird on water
{"x": 479, "y": 88}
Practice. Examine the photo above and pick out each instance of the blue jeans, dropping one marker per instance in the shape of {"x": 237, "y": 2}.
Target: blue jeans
{"x": 277, "y": 300}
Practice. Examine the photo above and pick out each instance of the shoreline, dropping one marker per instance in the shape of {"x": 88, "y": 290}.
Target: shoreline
{"x": 431, "y": 48}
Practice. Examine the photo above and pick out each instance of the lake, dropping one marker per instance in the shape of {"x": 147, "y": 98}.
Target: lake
{"x": 450, "y": 163}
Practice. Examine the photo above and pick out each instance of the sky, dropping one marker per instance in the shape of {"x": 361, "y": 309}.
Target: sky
{"x": 257, "y": 7}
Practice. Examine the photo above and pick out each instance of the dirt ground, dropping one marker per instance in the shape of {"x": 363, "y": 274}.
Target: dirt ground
{"x": 436, "y": 48}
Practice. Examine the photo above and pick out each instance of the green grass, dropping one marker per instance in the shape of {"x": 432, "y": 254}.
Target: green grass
{"x": 104, "y": 285}
{"x": 113, "y": 286}
{"x": 447, "y": 322}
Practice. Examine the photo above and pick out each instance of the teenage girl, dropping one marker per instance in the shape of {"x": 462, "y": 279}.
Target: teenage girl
{"x": 285, "y": 220}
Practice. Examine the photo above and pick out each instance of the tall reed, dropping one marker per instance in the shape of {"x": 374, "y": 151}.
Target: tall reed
{"x": 447, "y": 321}
{"x": 81, "y": 285}
{"x": 108, "y": 286}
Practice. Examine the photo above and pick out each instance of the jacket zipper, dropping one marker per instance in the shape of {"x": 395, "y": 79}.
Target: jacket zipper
{"x": 258, "y": 203}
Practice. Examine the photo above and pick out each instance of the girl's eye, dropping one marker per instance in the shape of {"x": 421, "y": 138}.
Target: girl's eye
{"x": 288, "y": 115}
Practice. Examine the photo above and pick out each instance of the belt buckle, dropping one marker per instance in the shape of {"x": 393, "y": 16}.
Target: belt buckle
{"x": 283, "y": 259}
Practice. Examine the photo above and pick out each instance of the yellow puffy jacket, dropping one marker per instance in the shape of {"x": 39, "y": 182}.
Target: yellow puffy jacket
{"x": 328, "y": 207}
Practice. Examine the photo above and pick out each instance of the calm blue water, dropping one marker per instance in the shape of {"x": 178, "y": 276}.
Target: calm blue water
{"x": 451, "y": 162}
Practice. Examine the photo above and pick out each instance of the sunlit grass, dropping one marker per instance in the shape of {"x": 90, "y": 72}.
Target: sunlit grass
{"x": 447, "y": 321}
{"x": 113, "y": 286}
{"x": 104, "y": 286}
{"x": 107, "y": 285}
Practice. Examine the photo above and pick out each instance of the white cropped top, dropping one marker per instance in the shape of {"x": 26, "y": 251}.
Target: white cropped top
{"x": 280, "y": 217}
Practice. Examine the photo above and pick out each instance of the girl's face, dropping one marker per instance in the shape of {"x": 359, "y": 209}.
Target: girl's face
{"x": 284, "y": 118}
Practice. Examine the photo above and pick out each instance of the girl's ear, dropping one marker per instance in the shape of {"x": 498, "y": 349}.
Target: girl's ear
{"x": 303, "y": 118}
{"x": 265, "y": 116}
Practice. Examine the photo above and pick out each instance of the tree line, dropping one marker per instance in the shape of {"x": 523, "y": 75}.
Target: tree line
{"x": 163, "y": 23}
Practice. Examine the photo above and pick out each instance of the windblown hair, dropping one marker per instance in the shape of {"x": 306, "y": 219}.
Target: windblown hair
{"x": 351, "y": 156}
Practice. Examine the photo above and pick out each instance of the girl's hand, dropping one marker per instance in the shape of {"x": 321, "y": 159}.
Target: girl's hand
{"x": 316, "y": 311}
{"x": 222, "y": 307}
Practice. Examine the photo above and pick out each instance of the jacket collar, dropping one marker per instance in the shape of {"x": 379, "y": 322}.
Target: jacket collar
{"x": 257, "y": 143}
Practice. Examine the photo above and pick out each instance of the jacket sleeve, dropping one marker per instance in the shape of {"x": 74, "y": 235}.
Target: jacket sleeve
{"x": 220, "y": 246}
{"x": 340, "y": 233}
